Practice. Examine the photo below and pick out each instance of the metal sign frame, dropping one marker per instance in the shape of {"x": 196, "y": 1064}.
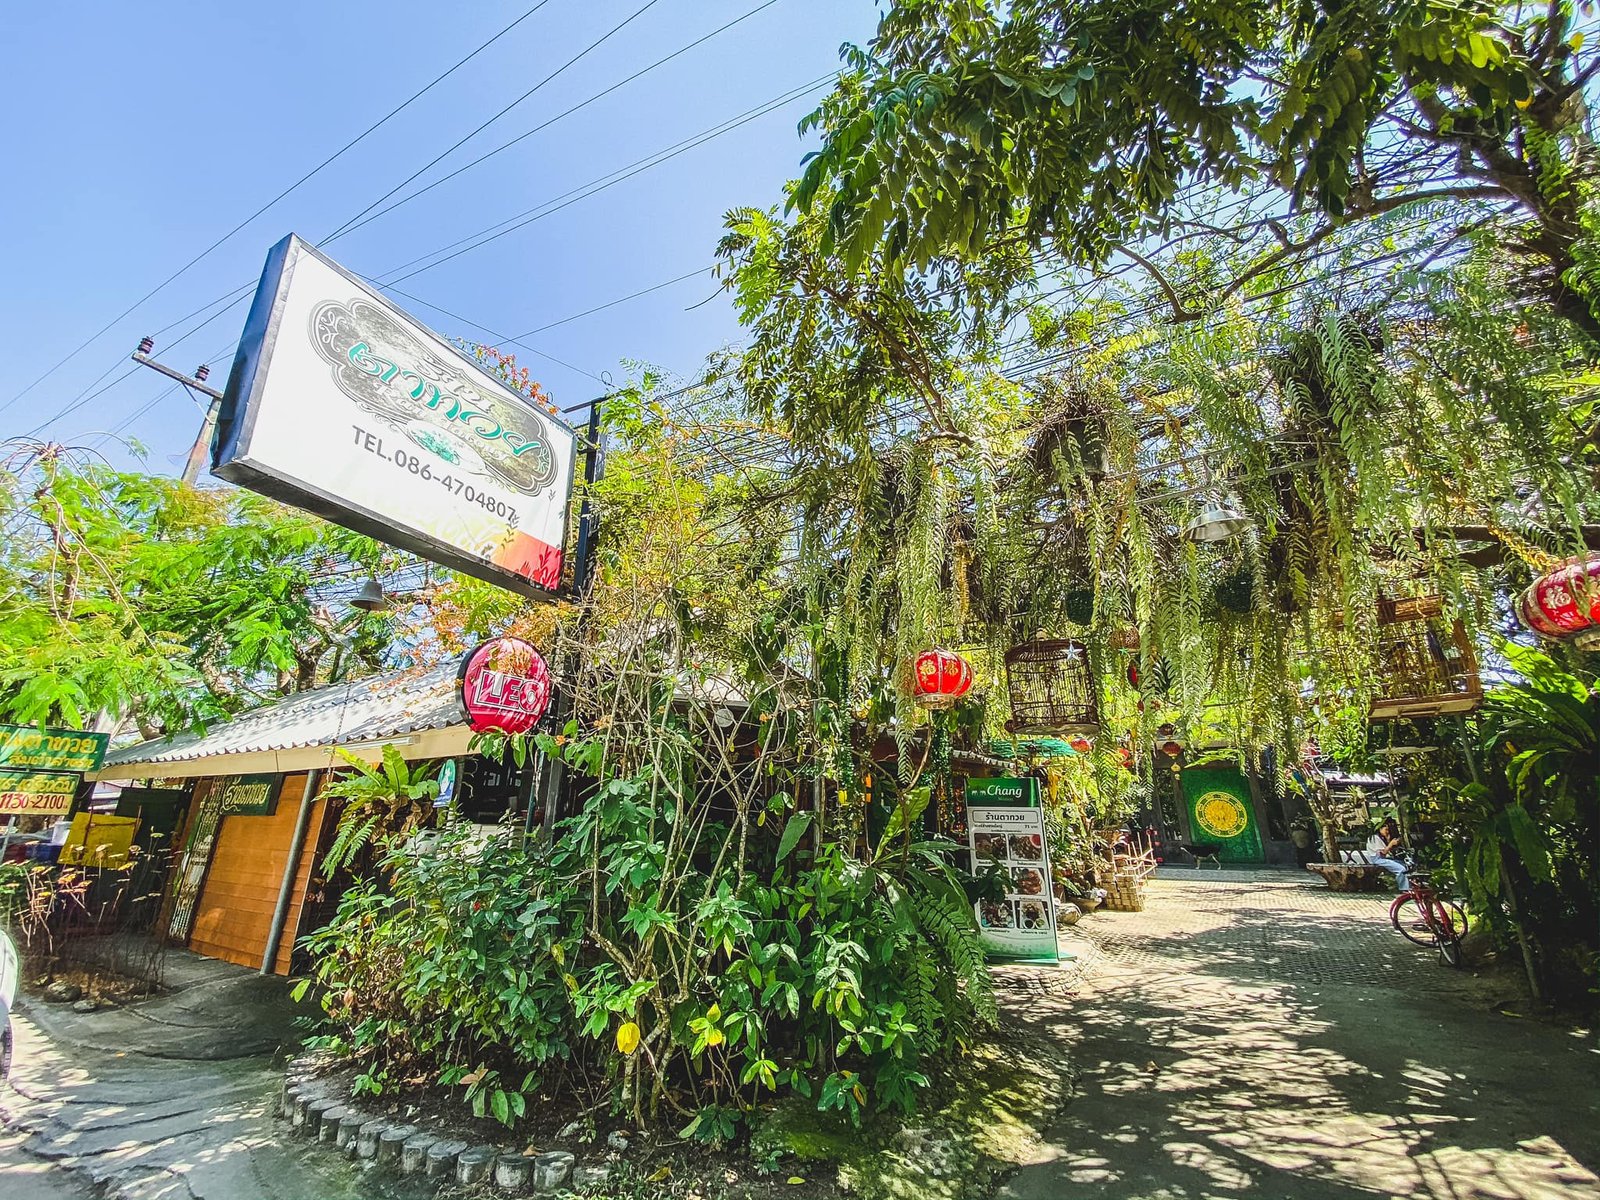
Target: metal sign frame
{"x": 241, "y": 409}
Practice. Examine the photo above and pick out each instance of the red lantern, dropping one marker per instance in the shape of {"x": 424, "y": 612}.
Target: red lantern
{"x": 1564, "y": 601}
{"x": 940, "y": 678}
{"x": 1080, "y": 744}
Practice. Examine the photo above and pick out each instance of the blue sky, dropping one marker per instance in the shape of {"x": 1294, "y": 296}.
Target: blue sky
{"x": 138, "y": 135}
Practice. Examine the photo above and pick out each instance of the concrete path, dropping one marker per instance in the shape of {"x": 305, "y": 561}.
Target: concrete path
{"x": 169, "y": 1099}
{"x": 1266, "y": 1039}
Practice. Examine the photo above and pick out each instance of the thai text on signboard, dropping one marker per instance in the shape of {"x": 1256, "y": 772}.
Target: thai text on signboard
{"x": 26, "y": 747}
{"x": 37, "y": 793}
{"x": 249, "y": 795}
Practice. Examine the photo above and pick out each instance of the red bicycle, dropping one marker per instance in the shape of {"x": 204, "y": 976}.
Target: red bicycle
{"x": 1429, "y": 919}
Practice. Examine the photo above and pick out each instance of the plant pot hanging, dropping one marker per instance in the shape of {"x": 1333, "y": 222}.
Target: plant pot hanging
{"x": 1052, "y": 687}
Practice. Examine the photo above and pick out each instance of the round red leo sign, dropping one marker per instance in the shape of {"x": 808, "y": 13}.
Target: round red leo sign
{"x": 505, "y": 686}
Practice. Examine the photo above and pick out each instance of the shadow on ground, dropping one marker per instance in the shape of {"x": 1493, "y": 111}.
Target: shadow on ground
{"x": 1270, "y": 1042}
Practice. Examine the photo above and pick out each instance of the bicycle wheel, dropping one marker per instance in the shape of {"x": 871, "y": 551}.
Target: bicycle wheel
{"x": 1451, "y": 923}
{"x": 1412, "y": 921}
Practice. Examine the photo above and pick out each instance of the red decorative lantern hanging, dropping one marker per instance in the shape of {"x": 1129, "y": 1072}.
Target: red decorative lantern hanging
{"x": 940, "y": 678}
{"x": 1080, "y": 744}
{"x": 1565, "y": 602}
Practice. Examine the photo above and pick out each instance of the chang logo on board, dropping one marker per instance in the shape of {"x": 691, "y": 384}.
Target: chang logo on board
{"x": 399, "y": 378}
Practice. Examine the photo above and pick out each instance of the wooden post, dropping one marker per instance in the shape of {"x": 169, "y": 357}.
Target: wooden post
{"x": 297, "y": 845}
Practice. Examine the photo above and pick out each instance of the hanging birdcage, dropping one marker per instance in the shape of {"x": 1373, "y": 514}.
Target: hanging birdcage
{"x": 1052, "y": 687}
{"x": 1426, "y": 666}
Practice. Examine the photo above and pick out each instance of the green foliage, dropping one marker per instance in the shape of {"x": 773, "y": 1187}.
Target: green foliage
{"x": 391, "y": 798}
{"x": 453, "y": 972}
{"x": 971, "y": 124}
{"x": 641, "y": 949}
{"x": 1522, "y": 837}
{"x": 143, "y": 597}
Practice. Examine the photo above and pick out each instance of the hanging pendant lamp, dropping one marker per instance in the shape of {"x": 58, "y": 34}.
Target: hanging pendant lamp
{"x": 370, "y": 598}
{"x": 1218, "y": 521}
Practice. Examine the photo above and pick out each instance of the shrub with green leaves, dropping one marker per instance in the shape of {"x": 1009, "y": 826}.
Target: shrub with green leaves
{"x": 658, "y": 958}
{"x": 448, "y": 969}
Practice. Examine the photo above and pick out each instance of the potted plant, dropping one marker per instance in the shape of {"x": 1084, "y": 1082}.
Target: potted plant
{"x": 1302, "y": 831}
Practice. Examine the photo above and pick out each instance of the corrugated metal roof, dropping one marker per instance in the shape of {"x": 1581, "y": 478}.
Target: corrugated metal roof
{"x": 342, "y": 714}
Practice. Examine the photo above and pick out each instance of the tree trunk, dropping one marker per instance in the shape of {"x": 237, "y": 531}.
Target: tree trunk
{"x": 1330, "y": 842}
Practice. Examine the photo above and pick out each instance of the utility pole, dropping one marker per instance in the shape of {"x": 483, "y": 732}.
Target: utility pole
{"x": 195, "y": 383}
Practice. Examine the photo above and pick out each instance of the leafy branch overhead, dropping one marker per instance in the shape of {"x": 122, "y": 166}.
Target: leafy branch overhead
{"x": 1081, "y": 123}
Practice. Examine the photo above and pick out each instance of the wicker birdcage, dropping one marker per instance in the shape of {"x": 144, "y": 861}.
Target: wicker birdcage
{"x": 1052, "y": 687}
{"x": 1426, "y": 666}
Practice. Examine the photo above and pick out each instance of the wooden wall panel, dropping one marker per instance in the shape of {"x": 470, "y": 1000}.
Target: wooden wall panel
{"x": 234, "y": 913}
{"x": 302, "y": 881}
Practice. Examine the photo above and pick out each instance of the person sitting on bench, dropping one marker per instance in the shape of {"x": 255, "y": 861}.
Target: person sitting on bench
{"x": 1382, "y": 847}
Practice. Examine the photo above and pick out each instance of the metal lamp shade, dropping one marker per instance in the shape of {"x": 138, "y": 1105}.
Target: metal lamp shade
{"x": 370, "y": 598}
{"x": 1216, "y": 522}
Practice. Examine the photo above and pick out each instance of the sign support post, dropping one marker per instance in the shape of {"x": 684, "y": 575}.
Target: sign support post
{"x": 594, "y": 469}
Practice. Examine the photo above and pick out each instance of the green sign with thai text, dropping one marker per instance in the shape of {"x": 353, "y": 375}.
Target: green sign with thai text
{"x": 249, "y": 795}
{"x": 29, "y": 748}
{"x": 37, "y": 793}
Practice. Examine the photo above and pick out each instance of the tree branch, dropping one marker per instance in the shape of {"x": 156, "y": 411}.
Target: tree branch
{"x": 1179, "y": 311}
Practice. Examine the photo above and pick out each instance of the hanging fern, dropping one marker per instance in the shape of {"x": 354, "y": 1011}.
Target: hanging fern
{"x": 391, "y": 798}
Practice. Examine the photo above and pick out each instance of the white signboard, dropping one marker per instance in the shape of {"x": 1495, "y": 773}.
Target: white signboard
{"x": 1010, "y": 831}
{"x": 342, "y": 404}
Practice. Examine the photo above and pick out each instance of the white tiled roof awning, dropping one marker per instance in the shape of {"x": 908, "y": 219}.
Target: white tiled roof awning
{"x": 417, "y": 710}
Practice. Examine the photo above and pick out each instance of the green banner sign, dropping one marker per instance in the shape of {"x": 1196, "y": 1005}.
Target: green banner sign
{"x": 249, "y": 795}
{"x": 1003, "y": 791}
{"x": 28, "y": 748}
{"x": 37, "y": 793}
{"x": 1220, "y": 813}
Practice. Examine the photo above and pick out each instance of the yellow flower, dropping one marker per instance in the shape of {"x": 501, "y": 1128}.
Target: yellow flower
{"x": 628, "y": 1038}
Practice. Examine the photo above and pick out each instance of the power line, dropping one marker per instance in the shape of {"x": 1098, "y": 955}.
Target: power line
{"x": 681, "y": 50}
{"x": 493, "y": 232}
{"x": 454, "y": 146}
{"x": 583, "y": 192}
{"x": 244, "y": 289}
{"x": 337, "y": 154}
{"x": 655, "y": 287}
{"x": 499, "y": 337}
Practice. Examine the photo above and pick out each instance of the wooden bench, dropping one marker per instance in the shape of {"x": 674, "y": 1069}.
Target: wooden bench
{"x": 1350, "y": 877}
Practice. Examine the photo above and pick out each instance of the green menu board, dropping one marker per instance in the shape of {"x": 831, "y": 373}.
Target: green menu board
{"x": 1220, "y": 813}
{"x": 1005, "y": 830}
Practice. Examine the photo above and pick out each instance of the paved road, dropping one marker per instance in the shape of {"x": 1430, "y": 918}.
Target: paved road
{"x": 1237, "y": 1041}
{"x": 1269, "y": 1039}
{"x": 150, "y": 1129}
{"x": 24, "y": 1177}
{"x": 166, "y": 1100}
